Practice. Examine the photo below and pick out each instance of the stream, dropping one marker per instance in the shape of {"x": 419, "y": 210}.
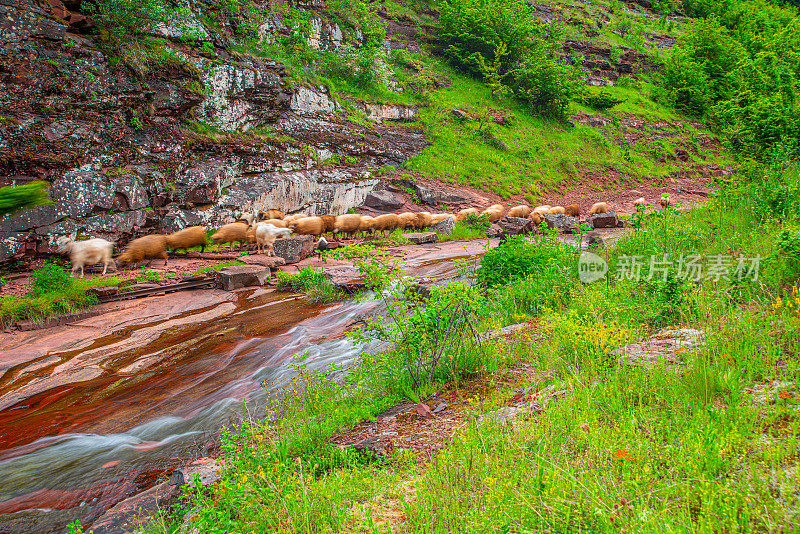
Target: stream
{"x": 84, "y": 428}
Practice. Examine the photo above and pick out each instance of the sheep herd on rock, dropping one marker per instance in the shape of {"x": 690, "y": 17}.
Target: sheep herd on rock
{"x": 263, "y": 228}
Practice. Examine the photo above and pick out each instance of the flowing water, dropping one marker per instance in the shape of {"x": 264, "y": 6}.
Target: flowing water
{"x": 82, "y": 429}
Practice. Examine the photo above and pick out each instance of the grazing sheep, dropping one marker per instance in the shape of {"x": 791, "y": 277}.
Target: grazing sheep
{"x": 87, "y": 252}
{"x": 559, "y": 210}
{"x": 231, "y": 233}
{"x": 536, "y": 218}
{"x": 494, "y": 212}
{"x": 270, "y": 214}
{"x": 423, "y": 219}
{"x": 521, "y": 211}
{"x": 187, "y": 238}
{"x": 665, "y": 201}
{"x": 294, "y": 217}
{"x": 277, "y": 223}
{"x": 573, "y": 210}
{"x": 248, "y": 217}
{"x": 541, "y": 210}
{"x": 469, "y": 211}
{"x": 367, "y": 225}
{"x": 640, "y": 203}
{"x": 598, "y": 207}
{"x": 407, "y": 220}
{"x": 148, "y": 247}
{"x": 322, "y": 247}
{"x": 308, "y": 226}
{"x": 439, "y": 217}
{"x": 347, "y": 224}
{"x": 386, "y": 223}
{"x": 266, "y": 234}
{"x": 330, "y": 223}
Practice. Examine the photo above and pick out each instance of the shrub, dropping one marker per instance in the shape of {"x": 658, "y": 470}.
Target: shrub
{"x": 600, "y": 100}
{"x": 311, "y": 281}
{"x": 788, "y": 247}
{"x": 479, "y": 223}
{"x": 518, "y": 258}
{"x": 128, "y": 18}
{"x": 50, "y": 278}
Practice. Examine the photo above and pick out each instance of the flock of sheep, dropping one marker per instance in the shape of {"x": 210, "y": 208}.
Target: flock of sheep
{"x": 265, "y": 227}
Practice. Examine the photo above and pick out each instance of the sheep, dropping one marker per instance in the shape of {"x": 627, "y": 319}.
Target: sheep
{"x": 423, "y": 219}
{"x": 573, "y": 210}
{"x": 187, "y": 238}
{"x": 439, "y": 217}
{"x": 347, "y": 224}
{"x": 494, "y": 212}
{"x": 541, "y": 210}
{"x": 598, "y": 207}
{"x": 87, "y": 252}
{"x": 277, "y": 223}
{"x": 266, "y": 234}
{"x": 407, "y": 220}
{"x": 330, "y": 223}
{"x": 308, "y": 226}
{"x": 266, "y": 215}
{"x": 521, "y": 211}
{"x": 536, "y": 218}
{"x": 386, "y": 223}
{"x": 148, "y": 247}
{"x": 294, "y": 217}
{"x": 367, "y": 225}
{"x": 469, "y": 211}
{"x": 665, "y": 201}
{"x": 639, "y": 203}
{"x": 248, "y": 217}
{"x": 559, "y": 210}
{"x": 231, "y": 233}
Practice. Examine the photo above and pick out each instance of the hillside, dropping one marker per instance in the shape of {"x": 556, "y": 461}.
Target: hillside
{"x": 215, "y": 109}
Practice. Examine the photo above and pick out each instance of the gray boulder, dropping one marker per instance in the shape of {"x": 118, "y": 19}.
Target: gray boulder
{"x": 239, "y": 276}
{"x": 515, "y": 225}
{"x": 446, "y": 226}
{"x": 295, "y": 248}
{"x": 421, "y": 238}
{"x": 604, "y": 220}
{"x": 563, "y": 223}
{"x": 383, "y": 200}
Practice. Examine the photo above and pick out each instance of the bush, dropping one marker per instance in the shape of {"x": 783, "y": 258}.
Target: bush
{"x": 311, "y": 281}
{"x": 50, "y": 278}
{"x": 519, "y": 258}
{"x": 600, "y": 100}
{"x": 129, "y": 18}
{"x": 788, "y": 247}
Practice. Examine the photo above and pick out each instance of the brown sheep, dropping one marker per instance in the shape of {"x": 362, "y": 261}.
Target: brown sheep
{"x": 573, "y": 210}
{"x": 541, "y": 210}
{"x": 640, "y": 203}
{"x": 367, "y": 225}
{"x": 558, "y": 210}
{"x": 347, "y": 224}
{"x": 536, "y": 218}
{"x": 598, "y": 207}
{"x": 148, "y": 247}
{"x": 439, "y": 217}
{"x": 495, "y": 212}
{"x": 469, "y": 211}
{"x": 271, "y": 214}
{"x": 231, "y": 233}
{"x": 423, "y": 219}
{"x": 665, "y": 201}
{"x": 277, "y": 223}
{"x": 386, "y": 223}
{"x": 330, "y": 222}
{"x": 294, "y": 217}
{"x": 407, "y": 220}
{"x": 308, "y": 226}
{"x": 521, "y": 211}
{"x": 187, "y": 238}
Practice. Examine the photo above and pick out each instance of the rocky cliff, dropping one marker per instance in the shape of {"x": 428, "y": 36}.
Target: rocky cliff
{"x": 112, "y": 138}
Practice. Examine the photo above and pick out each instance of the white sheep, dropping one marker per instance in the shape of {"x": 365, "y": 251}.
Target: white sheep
{"x": 267, "y": 233}
{"x": 87, "y": 252}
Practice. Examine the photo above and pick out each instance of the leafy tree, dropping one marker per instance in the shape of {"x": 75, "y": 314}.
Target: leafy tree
{"x": 13, "y": 198}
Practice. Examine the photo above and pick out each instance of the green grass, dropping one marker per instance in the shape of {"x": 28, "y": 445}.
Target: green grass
{"x": 530, "y": 154}
{"x": 311, "y": 281}
{"x": 675, "y": 448}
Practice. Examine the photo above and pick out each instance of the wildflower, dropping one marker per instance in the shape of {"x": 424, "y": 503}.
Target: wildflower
{"x": 622, "y": 455}
{"x": 785, "y": 395}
